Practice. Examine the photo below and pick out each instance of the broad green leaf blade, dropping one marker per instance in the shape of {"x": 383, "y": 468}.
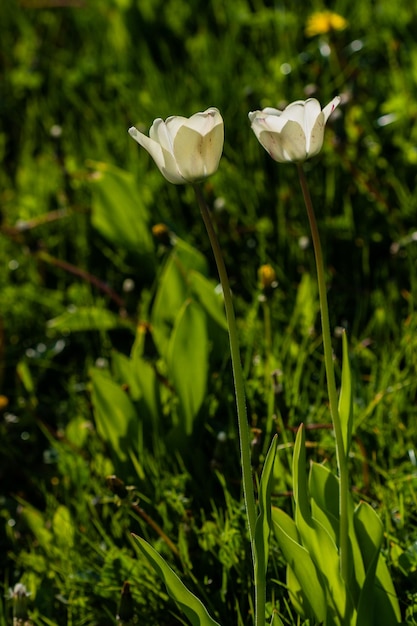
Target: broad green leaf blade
{"x": 119, "y": 212}
{"x": 187, "y": 361}
{"x": 64, "y": 529}
{"x": 212, "y": 302}
{"x": 193, "y": 608}
{"x": 170, "y": 297}
{"x": 87, "y": 318}
{"x": 324, "y": 491}
{"x": 263, "y": 522}
{"x": 114, "y": 413}
{"x": 121, "y": 367}
{"x": 189, "y": 258}
{"x": 312, "y": 597}
{"x": 370, "y": 533}
{"x": 387, "y": 607}
{"x": 378, "y": 601}
{"x": 174, "y": 287}
{"x": 316, "y": 539}
{"x": 345, "y": 398}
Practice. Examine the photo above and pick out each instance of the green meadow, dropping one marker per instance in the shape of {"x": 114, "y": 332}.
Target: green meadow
{"x": 117, "y": 403}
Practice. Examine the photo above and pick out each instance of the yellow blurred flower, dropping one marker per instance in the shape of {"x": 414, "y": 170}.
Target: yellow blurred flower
{"x": 322, "y": 22}
{"x": 267, "y": 276}
{"x": 4, "y": 401}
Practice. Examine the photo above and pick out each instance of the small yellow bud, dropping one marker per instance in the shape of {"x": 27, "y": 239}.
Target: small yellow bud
{"x": 267, "y": 277}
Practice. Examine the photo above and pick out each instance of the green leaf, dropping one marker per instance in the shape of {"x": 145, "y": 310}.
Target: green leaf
{"x": 308, "y": 588}
{"x": 174, "y": 287}
{"x": 387, "y": 607}
{"x": 263, "y": 522}
{"x": 63, "y": 529}
{"x": 370, "y": 534}
{"x": 193, "y": 608}
{"x": 317, "y": 540}
{"x": 345, "y": 398}
{"x": 324, "y": 491}
{"x": 189, "y": 258}
{"x": 123, "y": 374}
{"x": 187, "y": 361}
{"x": 114, "y": 413}
{"x": 119, "y": 211}
{"x": 276, "y": 620}
{"x": 212, "y": 302}
{"x": 88, "y": 318}
{"x": 378, "y": 602}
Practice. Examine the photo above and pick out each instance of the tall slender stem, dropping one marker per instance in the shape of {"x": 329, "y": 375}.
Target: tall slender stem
{"x": 331, "y": 383}
{"x": 248, "y": 490}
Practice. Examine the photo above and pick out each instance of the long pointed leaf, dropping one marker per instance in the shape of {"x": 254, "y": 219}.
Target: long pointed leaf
{"x": 187, "y": 360}
{"x": 317, "y": 540}
{"x": 378, "y": 602}
{"x": 309, "y": 594}
{"x": 193, "y": 608}
{"x": 263, "y": 523}
{"x": 345, "y": 397}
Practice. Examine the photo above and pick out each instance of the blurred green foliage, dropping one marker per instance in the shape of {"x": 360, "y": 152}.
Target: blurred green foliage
{"x": 95, "y": 298}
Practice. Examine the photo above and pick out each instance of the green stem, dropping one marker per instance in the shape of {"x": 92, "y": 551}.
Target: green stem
{"x": 331, "y": 383}
{"x": 245, "y": 456}
{"x": 269, "y": 383}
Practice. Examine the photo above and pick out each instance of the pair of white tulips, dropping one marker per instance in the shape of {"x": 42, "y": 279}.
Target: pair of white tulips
{"x": 188, "y": 150}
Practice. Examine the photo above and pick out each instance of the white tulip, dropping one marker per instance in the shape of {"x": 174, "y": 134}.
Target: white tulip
{"x": 294, "y": 134}
{"x": 186, "y": 150}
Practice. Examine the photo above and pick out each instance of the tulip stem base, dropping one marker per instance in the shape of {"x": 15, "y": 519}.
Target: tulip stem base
{"x": 331, "y": 383}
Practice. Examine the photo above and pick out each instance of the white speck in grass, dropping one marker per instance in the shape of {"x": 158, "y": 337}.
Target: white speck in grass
{"x": 285, "y": 69}
{"x": 384, "y": 120}
{"x": 128, "y": 285}
{"x": 325, "y": 49}
{"x": 102, "y": 363}
{"x": 356, "y": 45}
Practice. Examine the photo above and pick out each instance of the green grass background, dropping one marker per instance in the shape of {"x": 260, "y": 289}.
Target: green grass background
{"x": 74, "y": 75}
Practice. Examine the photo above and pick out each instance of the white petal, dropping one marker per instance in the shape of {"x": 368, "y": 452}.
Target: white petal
{"x": 312, "y": 110}
{"x": 315, "y": 139}
{"x": 162, "y": 134}
{"x": 273, "y": 145}
{"x": 205, "y": 121}
{"x": 150, "y": 145}
{"x": 293, "y": 141}
{"x": 163, "y": 158}
{"x": 263, "y": 121}
{"x": 295, "y": 112}
{"x": 329, "y": 108}
{"x": 197, "y": 155}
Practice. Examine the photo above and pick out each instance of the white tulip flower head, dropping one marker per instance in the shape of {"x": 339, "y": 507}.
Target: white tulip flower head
{"x": 294, "y": 134}
{"x": 186, "y": 150}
